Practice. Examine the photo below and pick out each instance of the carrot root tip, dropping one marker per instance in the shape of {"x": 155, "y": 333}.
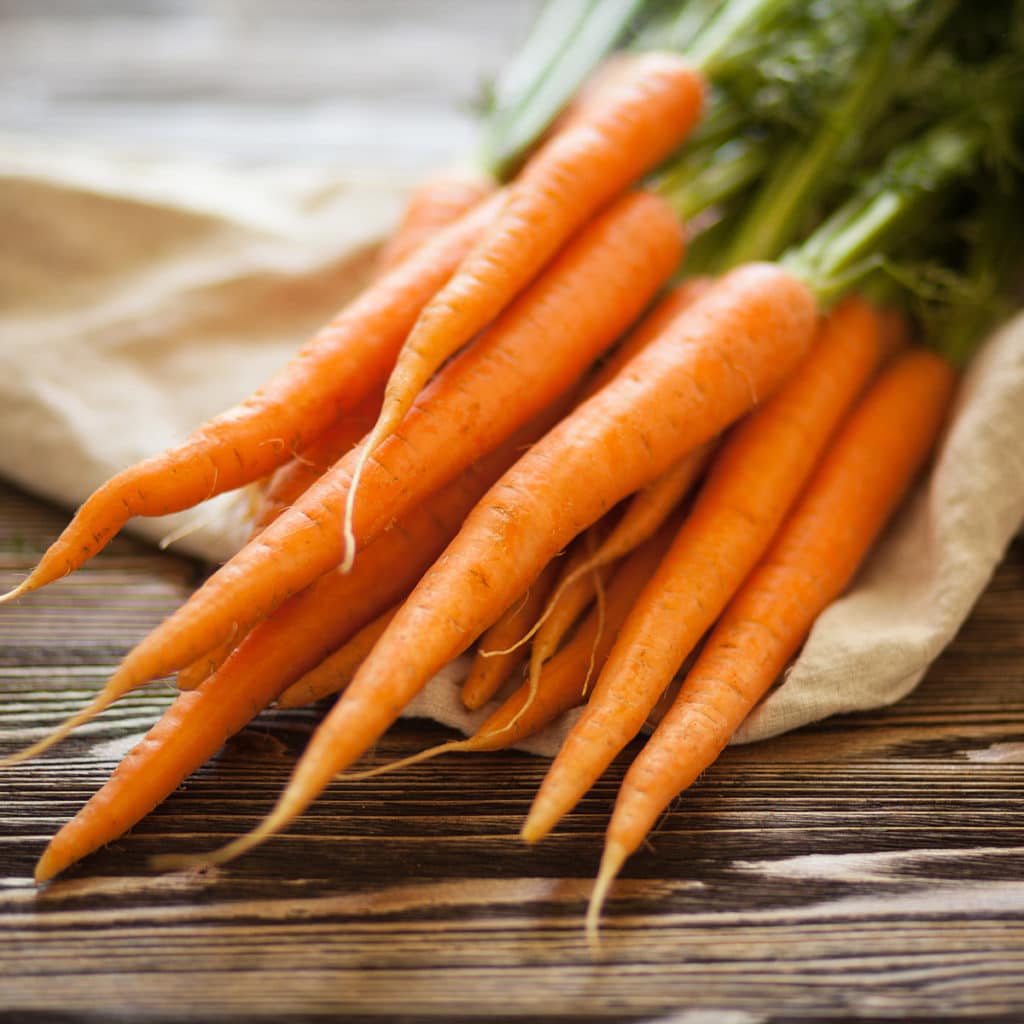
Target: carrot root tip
{"x": 273, "y": 823}
{"x": 15, "y": 592}
{"x": 405, "y": 762}
{"x": 613, "y": 858}
{"x": 48, "y": 866}
{"x": 100, "y": 703}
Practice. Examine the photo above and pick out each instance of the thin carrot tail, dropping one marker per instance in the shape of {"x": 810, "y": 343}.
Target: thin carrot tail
{"x": 24, "y": 587}
{"x": 405, "y": 762}
{"x": 96, "y": 706}
{"x": 612, "y": 860}
{"x": 308, "y": 780}
{"x": 600, "y": 601}
{"x": 545, "y": 644}
{"x": 386, "y": 425}
{"x": 487, "y": 674}
{"x": 288, "y": 808}
{"x": 284, "y": 813}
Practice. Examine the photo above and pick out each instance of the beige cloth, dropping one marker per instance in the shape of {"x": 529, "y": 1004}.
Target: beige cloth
{"x": 138, "y": 298}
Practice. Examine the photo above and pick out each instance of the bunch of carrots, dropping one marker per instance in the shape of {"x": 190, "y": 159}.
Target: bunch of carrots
{"x": 626, "y": 405}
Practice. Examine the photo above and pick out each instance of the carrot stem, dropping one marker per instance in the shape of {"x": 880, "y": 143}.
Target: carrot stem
{"x": 808, "y": 168}
{"x": 734, "y": 21}
{"x": 913, "y": 178}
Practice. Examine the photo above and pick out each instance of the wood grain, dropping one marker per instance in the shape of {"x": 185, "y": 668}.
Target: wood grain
{"x": 868, "y": 868}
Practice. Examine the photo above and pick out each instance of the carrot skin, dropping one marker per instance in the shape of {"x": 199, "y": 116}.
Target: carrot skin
{"x": 495, "y": 660}
{"x": 334, "y": 371}
{"x": 437, "y": 201}
{"x": 562, "y": 680}
{"x": 337, "y": 669}
{"x": 295, "y": 477}
{"x": 283, "y": 487}
{"x": 655, "y": 105}
{"x": 747, "y": 332}
{"x": 749, "y": 490}
{"x": 656, "y": 322}
{"x": 481, "y": 398}
{"x": 568, "y": 603}
{"x": 853, "y": 493}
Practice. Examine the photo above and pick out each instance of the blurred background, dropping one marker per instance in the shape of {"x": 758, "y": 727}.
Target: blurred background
{"x": 382, "y": 84}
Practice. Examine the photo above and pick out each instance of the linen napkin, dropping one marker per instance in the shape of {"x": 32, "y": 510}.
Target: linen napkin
{"x": 139, "y": 297}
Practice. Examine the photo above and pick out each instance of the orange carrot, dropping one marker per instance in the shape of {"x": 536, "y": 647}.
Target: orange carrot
{"x": 732, "y": 347}
{"x": 189, "y": 676}
{"x": 282, "y": 488}
{"x": 861, "y": 480}
{"x": 496, "y": 660}
{"x": 644, "y": 514}
{"x": 592, "y": 292}
{"x": 337, "y": 368}
{"x": 755, "y": 480}
{"x": 292, "y": 479}
{"x": 571, "y": 598}
{"x": 585, "y": 574}
{"x": 669, "y": 305}
{"x": 563, "y": 680}
{"x": 303, "y": 470}
{"x": 275, "y": 653}
{"x": 335, "y": 672}
{"x": 642, "y": 117}
{"x": 567, "y": 605}
{"x": 437, "y": 201}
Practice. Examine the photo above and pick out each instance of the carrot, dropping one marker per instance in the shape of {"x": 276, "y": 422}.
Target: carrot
{"x": 861, "y": 480}
{"x": 283, "y": 486}
{"x": 335, "y": 672}
{"x": 292, "y": 479}
{"x": 276, "y": 653}
{"x": 585, "y": 574}
{"x": 644, "y": 514}
{"x": 563, "y": 680}
{"x": 496, "y": 660}
{"x": 755, "y": 480}
{"x": 669, "y": 305}
{"x": 641, "y": 519}
{"x": 580, "y": 579}
{"x": 592, "y": 292}
{"x": 732, "y": 347}
{"x": 566, "y": 606}
{"x": 642, "y": 117}
{"x": 189, "y": 676}
{"x": 288, "y": 482}
{"x": 342, "y": 364}
{"x": 434, "y": 204}
{"x": 437, "y": 201}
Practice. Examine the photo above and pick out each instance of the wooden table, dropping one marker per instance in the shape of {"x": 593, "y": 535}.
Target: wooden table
{"x": 869, "y": 867}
